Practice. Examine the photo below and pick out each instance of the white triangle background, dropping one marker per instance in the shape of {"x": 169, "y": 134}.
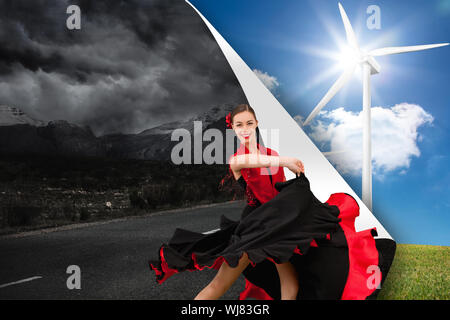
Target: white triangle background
{"x": 292, "y": 140}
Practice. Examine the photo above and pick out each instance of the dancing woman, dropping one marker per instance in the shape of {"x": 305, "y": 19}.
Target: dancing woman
{"x": 243, "y": 122}
{"x": 285, "y": 241}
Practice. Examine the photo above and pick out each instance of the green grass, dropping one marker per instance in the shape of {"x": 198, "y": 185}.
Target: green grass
{"x": 419, "y": 272}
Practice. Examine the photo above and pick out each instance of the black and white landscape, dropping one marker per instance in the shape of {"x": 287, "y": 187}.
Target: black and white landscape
{"x": 22, "y": 135}
{"x": 87, "y": 115}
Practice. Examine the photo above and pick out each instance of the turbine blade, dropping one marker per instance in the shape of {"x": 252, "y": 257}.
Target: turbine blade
{"x": 340, "y": 82}
{"x": 395, "y": 50}
{"x": 351, "y": 37}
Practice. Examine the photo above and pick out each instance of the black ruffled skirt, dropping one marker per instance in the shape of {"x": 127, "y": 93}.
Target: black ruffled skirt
{"x": 333, "y": 261}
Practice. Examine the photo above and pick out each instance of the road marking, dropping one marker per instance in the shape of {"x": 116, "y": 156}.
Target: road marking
{"x": 211, "y": 231}
{"x": 20, "y": 281}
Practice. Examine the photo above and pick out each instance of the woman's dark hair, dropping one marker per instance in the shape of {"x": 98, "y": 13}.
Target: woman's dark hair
{"x": 241, "y": 108}
{"x": 228, "y": 182}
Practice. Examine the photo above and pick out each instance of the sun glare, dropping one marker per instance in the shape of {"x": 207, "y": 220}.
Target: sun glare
{"x": 347, "y": 57}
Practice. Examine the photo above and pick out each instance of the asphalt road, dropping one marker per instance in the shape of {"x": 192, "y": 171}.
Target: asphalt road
{"x": 112, "y": 258}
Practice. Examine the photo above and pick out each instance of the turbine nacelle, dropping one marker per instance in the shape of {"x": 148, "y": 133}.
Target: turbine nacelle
{"x": 350, "y": 57}
{"x": 374, "y": 65}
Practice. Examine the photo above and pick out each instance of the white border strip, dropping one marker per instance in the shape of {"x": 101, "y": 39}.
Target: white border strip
{"x": 323, "y": 177}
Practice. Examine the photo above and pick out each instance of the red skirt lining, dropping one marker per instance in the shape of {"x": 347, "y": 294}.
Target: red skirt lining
{"x": 163, "y": 272}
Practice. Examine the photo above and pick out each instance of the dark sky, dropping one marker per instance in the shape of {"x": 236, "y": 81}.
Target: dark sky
{"x": 132, "y": 66}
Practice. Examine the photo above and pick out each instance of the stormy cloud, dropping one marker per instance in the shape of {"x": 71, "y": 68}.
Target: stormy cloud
{"x": 132, "y": 65}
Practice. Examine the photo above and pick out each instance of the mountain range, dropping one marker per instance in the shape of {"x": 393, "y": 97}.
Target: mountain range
{"x": 21, "y": 134}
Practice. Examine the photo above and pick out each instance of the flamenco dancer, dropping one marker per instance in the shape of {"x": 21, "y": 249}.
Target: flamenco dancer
{"x": 287, "y": 243}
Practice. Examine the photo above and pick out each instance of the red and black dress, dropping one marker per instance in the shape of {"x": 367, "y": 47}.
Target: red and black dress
{"x": 283, "y": 221}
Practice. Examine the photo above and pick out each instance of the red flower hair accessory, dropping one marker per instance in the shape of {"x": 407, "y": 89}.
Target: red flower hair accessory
{"x": 228, "y": 120}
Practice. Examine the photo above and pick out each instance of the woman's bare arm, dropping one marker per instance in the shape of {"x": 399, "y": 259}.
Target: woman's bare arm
{"x": 262, "y": 161}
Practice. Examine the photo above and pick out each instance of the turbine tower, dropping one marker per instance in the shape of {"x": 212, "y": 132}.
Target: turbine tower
{"x": 369, "y": 67}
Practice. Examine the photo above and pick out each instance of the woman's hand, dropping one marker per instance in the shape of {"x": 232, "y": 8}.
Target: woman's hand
{"x": 295, "y": 165}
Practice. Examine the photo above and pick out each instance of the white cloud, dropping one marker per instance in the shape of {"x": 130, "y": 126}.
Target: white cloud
{"x": 394, "y": 137}
{"x": 269, "y": 81}
{"x": 299, "y": 119}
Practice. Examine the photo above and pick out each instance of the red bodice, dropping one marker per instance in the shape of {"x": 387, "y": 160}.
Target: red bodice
{"x": 261, "y": 181}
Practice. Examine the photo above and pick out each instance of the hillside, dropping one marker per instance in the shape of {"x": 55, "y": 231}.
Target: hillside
{"x": 419, "y": 272}
{"x": 38, "y": 192}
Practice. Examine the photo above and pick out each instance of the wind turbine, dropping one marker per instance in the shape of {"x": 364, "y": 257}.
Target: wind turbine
{"x": 369, "y": 67}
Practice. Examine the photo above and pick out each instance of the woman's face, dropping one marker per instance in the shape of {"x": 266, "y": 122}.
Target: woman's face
{"x": 244, "y": 125}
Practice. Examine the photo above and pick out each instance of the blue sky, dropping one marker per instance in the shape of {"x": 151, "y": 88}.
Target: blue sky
{"x": 291, "y": 41}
